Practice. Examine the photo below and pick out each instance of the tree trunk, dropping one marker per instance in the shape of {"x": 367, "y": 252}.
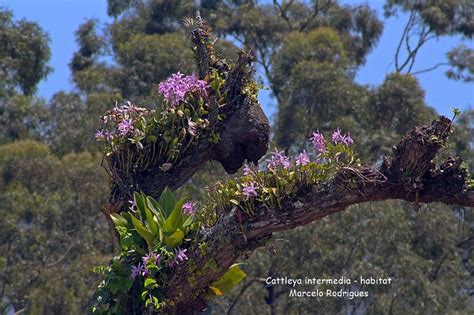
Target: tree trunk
{"x": 409, "y": 175}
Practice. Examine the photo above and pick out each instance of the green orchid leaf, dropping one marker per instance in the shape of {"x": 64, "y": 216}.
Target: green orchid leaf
{"x": 128, "y": 217}
{"x": 231, "y": 278}
{"x": 143, "y": 231}
{"x": 118, "y": 220}
{"x": 188, "y": 221}
{"x": 171, "y": 224}
{"x": 159, "y": 216}
{"x": 175, "y": 219}
{"x": 175, "y": 239}
{"x": 150, "y": 283}
{"x": 151, "y": 222}
{"x": 155, "y": 207}
{"x": 167, "y": 201}
{"x": 140, "y": 203}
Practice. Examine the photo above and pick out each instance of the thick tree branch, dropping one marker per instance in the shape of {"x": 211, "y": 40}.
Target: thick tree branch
{"x": 409, "y": 175}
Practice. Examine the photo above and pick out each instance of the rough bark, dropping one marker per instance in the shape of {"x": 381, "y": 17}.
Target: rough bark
{"x": 409, "y": 175}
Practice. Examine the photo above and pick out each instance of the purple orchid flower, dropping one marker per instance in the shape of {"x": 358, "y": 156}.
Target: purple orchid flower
{"x": 250, "y": 190}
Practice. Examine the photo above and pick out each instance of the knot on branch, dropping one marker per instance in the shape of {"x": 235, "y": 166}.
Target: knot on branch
{"x": 245, "y": 137}
{"x": 414, "y": 154}
{"x": 244, "y": 133}
{"x": 450, "y": 178}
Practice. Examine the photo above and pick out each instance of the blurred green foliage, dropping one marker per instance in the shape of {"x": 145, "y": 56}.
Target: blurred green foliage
{"x": 24, "y": 54}
{"x": 51, "y": 232}
{"x": 417, "y": 250}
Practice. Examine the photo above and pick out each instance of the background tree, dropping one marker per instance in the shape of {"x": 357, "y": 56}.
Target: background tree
{"x": 427, "y": 21}
{"x": 24, "y": 55}
{"x": 42, "y": 250}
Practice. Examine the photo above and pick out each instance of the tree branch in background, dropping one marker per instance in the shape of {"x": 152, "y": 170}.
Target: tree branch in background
{"x": 404, "y": 34}
{"x": 441, "y": 64}
{"x": 317, "y": 8}
{"x": 282, "y": 11}
{"x": 244, "y": 288}
{"x": 424, "y": 36}
{"x": 428, "y": 20}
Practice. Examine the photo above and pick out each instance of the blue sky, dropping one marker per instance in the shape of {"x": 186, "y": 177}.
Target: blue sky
{"x": 60, "y": 18}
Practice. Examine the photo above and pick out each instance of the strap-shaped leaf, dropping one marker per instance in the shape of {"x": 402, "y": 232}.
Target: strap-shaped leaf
{"x": 151, "y": 222}
{"x": 155, "y": 207}
{"x": 231, "y": 278}
{"x": 175, "y": 239}
{"x": 167, "y": 201}
{"x": 188, "y": 221}
{"x": 128, "y": 217}
{"x": 175, "y": 219}
{"x": 118, "y": 220}
{"x": 150, "y": 283}
{"x": 143, "y": 232}
{"x": 140, "y": 203}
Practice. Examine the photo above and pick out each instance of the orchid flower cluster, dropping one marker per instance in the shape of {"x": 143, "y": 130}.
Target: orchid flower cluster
{"x": 280, "y": 177}
{"x": 135, "y": 138}
{"x": 155, "y": 236}
{"x": 178, "y": 86}
{"x": 122, "y": 123}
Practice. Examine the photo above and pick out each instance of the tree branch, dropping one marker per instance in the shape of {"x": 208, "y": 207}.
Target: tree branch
{"x": 316, "y": 11}
{"x": 431, "y": 68}
{"x": 282, "y": 12}
{"x": 242, "y": 291}
{"x": 424, "y": 35}
{"x": 400, "y": 43}
{"x": 409, "y": 175}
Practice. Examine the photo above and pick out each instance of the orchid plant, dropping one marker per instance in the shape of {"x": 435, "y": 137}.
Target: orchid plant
{"x": 155, "y": 235}
{"x": 280, "y": 177}
{"x": 134, "y": 138}
{"x": 154, "y": 239}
